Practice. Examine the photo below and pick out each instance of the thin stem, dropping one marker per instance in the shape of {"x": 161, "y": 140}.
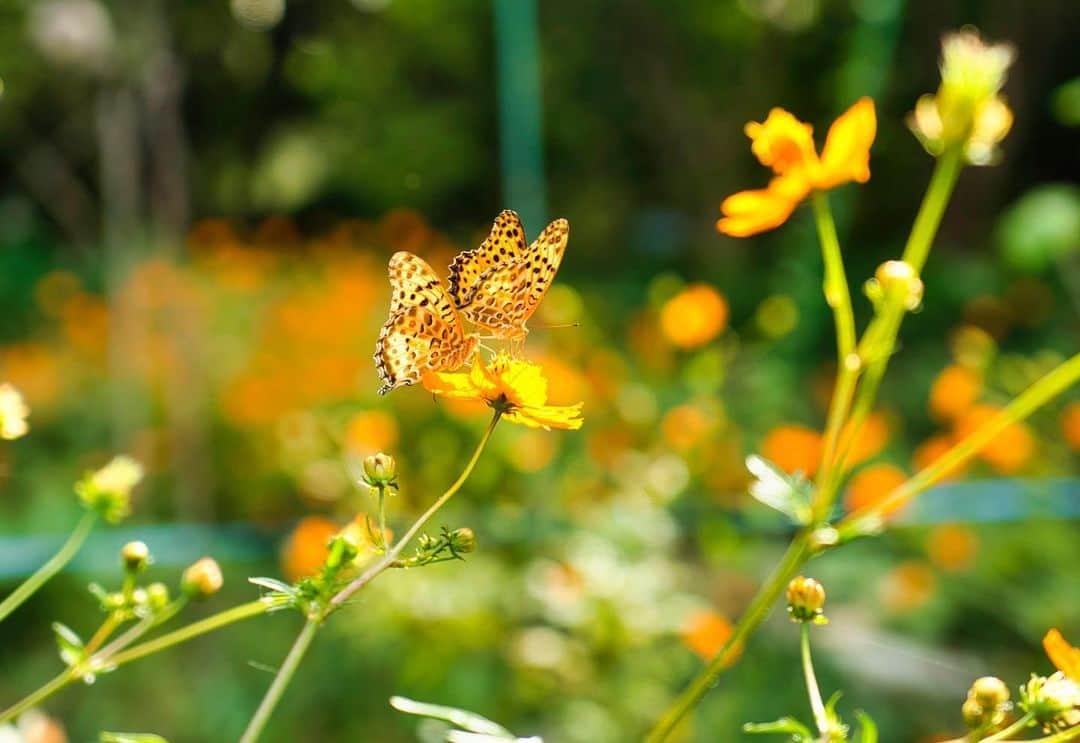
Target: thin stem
{"x": 141, "y": 627}
{"x": 281, "y": 680}
{"x": 51, "y": 567}
{"x": 107, "y": 628}
{"x": 382, "y": 517}
{"x": 58, "y": 682}
{"x": 211, "y": 623}
{"x": 816, "y": 703}
{"x": 1045, "y": 389}
{"x": 793, "y": 559}
{"x": 391, "y": 557}
{"x": 932, "y": 209}
{"x": 836, "y": 287}
{"x": 1016, "y": 727}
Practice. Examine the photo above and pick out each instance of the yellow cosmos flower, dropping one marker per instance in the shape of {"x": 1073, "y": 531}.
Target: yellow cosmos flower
{"x": 1062, "y": 654}
{"x": 786, "y": 145}
{"x": 515, "y": 387}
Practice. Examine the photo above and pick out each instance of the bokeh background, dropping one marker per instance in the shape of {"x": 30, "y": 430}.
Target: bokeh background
{"x": 197, "y": 202}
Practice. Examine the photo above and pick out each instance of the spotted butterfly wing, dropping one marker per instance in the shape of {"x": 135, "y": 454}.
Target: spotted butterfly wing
{"x": 505, "y": 244}
{"x": 506, "y": 294}
{"x": 424, "y": 331}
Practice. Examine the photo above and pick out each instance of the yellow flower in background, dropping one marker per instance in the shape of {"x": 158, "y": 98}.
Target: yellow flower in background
{"x": 516, "y": 387}
{"x": 786, "y": 145}
{"x": 694, "y": 316}
{"x": 1063, "y": 655}
{"x": 13, "y": 413}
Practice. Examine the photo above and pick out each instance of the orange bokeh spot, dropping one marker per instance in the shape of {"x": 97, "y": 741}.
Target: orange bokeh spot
{"x": 872, "y": 485}
{"x": 371, "y": 432}
{"x": 685, "y": 426}
{"x": 1070, "y": 425}
{"x": 952, "y": 547}
{"x": 705, "y": 633}
{"x": 871, "y": 439}
{"x": 908, "y": 586}
{"x": 532, "y": 450}
{"x": 793, "y": 448}
{"x": 305, "y": 550}
{"x": 933, "y": 449}
{"x": 953, "y": 393}
{"x": 1008, "y": 452}
{"x": 694, "y": 316}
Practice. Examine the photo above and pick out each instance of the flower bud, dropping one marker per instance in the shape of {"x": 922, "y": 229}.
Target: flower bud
{"x": 806, "y": 598}
{"x": 973, "y": 713}
{"x": 967, "y": 110}
{"x": 463, "y": 540}
{"x": 13, "y": 413}
{"x": 380, "y": 470}
{"x": 898, "y": 276}
{"x": 136, "y": 556}
{"x": 1053, "y": 701}
{"x": 108, "y": 490}
{"x": 202, "y": 579}
{"x": 342, "y": 549}
{"x": 989, "y": 691}
{"x": 157, "y": 596}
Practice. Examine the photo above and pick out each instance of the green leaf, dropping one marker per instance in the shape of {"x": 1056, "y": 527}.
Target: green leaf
{"x": 69, "y": 644}
{"x": 790, "y": 495}
{"x": 799, "y": 733}
{"x": 274, "y": 585}
{"x": 468, "y": 721}
{"x": 867, "y": 727}
{"x": 130, "y": 738}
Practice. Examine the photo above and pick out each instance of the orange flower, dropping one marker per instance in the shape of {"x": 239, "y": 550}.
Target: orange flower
{"x": 305, "y": 550}
{"x": 933, "y": 449}
{"x": 694, "y": 316}
{"x": 1070, "y": 425}
{"x": 706, "y": 632}
{"x": 793, "y": 448}
{"x": 517, "y": 388}
{"x": 1009, "y": 451}
{"x": 786, "y": 145}
{"x": 954, "y": 392}
{"x": 872, "y": 438}
{"x": 952, "y": 546}
{"x": 1062, "y": 654}
{"x": 872, "y": 485}
{"x": 907, "y": 586}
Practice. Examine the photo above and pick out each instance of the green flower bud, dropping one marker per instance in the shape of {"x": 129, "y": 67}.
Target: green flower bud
{"x": 108, "y": 490}
{"x": 380, "y": 470}
{"x": 1054, "y": 701}
{"x": 157, "y": 596}
{"x": 989, "y": 691}
{"x": 341, "y": 550}
{"x": 202, "y": 579}
{"x": 136, "y": 556}
{"x": 806, "y": 599}
{"x": 463, "y": 540}
{"x": 973, "y": 713}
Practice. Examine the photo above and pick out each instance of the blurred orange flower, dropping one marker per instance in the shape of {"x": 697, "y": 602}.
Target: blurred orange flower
{"x": 793, "y": 448}
{"x": 1070, "y": 425}
{"x": 685, "y": 426}
{"x": 952, "y": 546}
{"x": 1063, "y": 655}
{"x": 517, "y": 388}
{"x": 1009, "y": 451}
{"x": 954, "y": 391}
{"x": 872, "y": 485}
{"x": 371, "y": 431}
{"x": 932, "y": 450}
{"x": 694, "y": 316}
{"x": 908, "y": 586}
{"x": 305, "y": 550}
{"x": 706, "y": 632}
{"x": 872, "y": 438}
{"x": 786, "y": 145}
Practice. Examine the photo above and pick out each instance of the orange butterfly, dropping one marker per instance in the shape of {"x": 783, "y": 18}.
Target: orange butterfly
{"x": 499, "y": 285}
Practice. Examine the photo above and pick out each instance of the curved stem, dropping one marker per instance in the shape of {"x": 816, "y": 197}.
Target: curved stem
{"x": 51, "y": 567}
{"x": 793, "y": 559}
{"x": 821, "y": 718}
{"x": 836, "y": 287}
{"x": 1050, "y": 386}
{"x": 391, "y": 557}
{"x": 1016, "y": 727}
{"x": 58, "y": 682}
{"x": 281, "y": 681}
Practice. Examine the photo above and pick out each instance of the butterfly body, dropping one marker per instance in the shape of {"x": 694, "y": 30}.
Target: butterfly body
{"x": 499, "y": 285}
{"x": 424, "y": 331}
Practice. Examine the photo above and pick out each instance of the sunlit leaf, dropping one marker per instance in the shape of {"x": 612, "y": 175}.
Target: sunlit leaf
{"x": 778, "y": 490}
{"x": 789, "y": 725}
{"x": 867, "y": 727}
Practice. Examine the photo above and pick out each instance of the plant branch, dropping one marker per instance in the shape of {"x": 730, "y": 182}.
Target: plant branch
{"x": 281, "y": 680}
{"x": 821, "y": 719}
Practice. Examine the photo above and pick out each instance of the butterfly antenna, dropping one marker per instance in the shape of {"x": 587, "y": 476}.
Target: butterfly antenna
{"x": 559, "y": 325}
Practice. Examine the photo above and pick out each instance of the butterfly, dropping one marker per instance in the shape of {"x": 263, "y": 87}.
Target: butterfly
{"x": 499, "y": 285}
{"x": 424, "y": 331}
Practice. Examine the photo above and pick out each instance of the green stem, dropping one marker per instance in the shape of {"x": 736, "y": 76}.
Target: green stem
{"x": 812, "y": 690}
{"x": 869, "y": 519}
{"x": 927, "y": 221}
{"x": 211, "y": 623}
{"x": 1016, "y": 727}
{"x": 793, "y": 559}
{"x": 836, "y": 287}
{"x": 61, "y": 680}
{"x": 51, "y": 567}
{"x": 391, "y": 557}
{"x": 382, "y": 517}
{"x": 281, "y": 680}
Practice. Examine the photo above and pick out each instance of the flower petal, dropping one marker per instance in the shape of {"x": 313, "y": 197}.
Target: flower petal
{"x": 456, "y": 385}
{"x": 566, "y": 417}
{"x": 782, "y": 142}
{"x": 1062, "y": 654}
{"x": 750, "y": 212}
{"x": 846, "y": 156}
